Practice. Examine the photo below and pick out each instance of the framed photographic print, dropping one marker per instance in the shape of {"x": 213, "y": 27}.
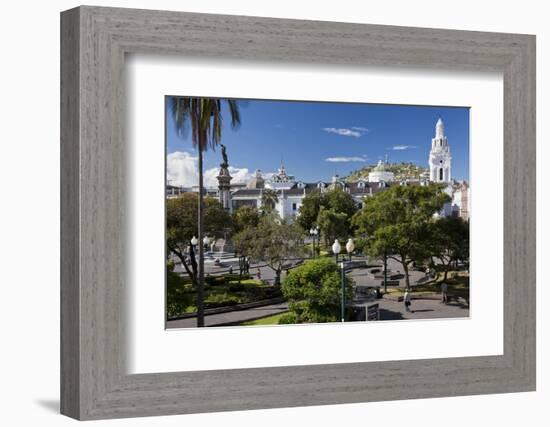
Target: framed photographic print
{"x": 294, "y": 213}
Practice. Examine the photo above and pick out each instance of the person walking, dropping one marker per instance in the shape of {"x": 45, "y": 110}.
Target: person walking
{"x": 259, "y": 274}
{"x": 230, "y": 269}
{"x": 407, "y": 300}
{"x": 444, "y": 289}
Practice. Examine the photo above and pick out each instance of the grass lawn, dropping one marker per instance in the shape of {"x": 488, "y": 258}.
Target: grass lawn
{"x": 269, "y": 320}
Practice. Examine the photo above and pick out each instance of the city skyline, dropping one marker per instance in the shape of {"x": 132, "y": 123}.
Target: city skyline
{"x": 316, "y": 140}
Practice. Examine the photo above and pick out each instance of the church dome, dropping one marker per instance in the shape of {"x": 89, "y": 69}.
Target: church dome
{"x": 257, "y": 181}
{"x": 380, "y": 167}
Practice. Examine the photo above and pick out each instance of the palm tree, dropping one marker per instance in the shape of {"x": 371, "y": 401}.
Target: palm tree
{"x": 269, "y": 200}
{"x": 204, "y": 117}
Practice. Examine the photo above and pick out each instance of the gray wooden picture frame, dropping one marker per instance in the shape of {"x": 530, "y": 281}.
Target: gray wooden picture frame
{"x": 94, "y": 41}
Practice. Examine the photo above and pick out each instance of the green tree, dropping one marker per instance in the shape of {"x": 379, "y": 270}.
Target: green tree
{"x": 272, "y": 241}
{"x": 245, "y": 217}
{"x": 335, "y": 201}
{"x": 309, "y": 210}
{"x": 450, "y": 241}
{"x": 182, "y": 225}
{"x": 397, "y": 222}
{"x": 340, "y": 201}
{"x": 269, "y": 200}
{"x": 314, "y": 292}
{"x": 204, "y": 117}
{"x": 332, "y": 224}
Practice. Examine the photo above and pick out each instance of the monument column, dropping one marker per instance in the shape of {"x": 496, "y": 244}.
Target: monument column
{"x": 224, "y": 182}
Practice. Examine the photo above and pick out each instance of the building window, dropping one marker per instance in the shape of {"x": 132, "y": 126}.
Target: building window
{"x": 293, "y": 206}
{"x": 441, "y": 174}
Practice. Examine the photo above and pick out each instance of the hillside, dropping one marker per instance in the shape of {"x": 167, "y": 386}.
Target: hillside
{"x": 401, "y": 171}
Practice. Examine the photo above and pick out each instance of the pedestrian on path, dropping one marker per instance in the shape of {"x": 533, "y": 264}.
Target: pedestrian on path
{"x": 230, "y": 269}
{"x": 444, "y": 289}
{"x": 407, "y": 300}
{"x": 259, "y": 274}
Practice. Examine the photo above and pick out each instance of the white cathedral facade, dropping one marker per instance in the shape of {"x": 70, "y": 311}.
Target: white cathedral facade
{"x": 290, "y": 192}
{"x": 440, "y": 156}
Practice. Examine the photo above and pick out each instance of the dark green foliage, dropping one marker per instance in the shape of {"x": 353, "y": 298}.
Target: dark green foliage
{"x": 245, "y": 217}
{"x": 178, "y": 294}
{"x": 331, "y": 211}
{"x": 313, "y": 291}
{"x": 397, "y": 222}
{"x": 449, "y": 242}
{"x": 288, "y": 319}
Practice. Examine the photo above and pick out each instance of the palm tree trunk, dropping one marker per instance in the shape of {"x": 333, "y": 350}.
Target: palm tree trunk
{"x": 200, "y": 287}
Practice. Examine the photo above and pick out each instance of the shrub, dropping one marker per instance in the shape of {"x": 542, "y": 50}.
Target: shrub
{"x": 288, "y": 319}
{"x": 314, "y": 291}
{"x": 178, "y": 299}
{"x": 221, "y": 300}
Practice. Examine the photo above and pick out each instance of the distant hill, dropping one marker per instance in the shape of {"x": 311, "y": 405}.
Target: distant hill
{"x": 401, "y": 171}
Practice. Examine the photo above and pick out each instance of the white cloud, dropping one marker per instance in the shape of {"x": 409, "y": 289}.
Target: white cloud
{"x": 238, "y": 174}
{"x": 402, "y": 147}
{"x": 344, "y": 132}
{"x": 182, "y": 169}
{"x": 345, "y": 159}
{"x": 360, "y": 129}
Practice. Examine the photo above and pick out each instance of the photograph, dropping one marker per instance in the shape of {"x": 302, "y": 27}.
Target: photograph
{"x": 291, "y": 212}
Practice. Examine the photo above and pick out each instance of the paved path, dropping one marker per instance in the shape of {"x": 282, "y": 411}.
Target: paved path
{"x": 231, "y": 316}
{"x": 421, "y": 309}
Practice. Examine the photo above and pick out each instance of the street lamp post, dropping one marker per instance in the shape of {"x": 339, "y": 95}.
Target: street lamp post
{"x": 385, "y": 272}
{"x": 350, "y": 247}
{"x": 336, "y": 248}
{"x": 194, "y": 242}
{"x": 312, "y": 235}
{"x": 343, "y": 299}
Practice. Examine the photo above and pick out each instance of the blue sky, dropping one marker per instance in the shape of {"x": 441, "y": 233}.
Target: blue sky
{"x": 315, "y": 140}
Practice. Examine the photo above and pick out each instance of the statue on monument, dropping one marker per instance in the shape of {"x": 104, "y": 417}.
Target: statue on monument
{"x": 224, "y": 188}
{"x": 225, "y": 163}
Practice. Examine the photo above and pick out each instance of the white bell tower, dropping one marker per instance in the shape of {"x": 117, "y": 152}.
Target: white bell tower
{"x": 440, "y": 156}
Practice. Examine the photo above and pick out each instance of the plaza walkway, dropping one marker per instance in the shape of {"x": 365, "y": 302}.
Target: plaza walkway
{"x": 421, "y": 309}
{"x": 231, "y": 317}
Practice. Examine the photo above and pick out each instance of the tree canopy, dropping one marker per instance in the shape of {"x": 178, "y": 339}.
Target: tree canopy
{"x": 181, "y": 218}
{"x": 396, "y": 222}
{"x": 245, "y": 217}
{"x": 272, "y": 241}
{"x": 450, "y": 241}
{"x": 314, "y": 291}
{"x": 182, "y": 225}
{"x": 331, "y": 210}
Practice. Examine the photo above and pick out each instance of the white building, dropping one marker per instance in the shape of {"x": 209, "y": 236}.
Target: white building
{"x": 379, "y": 173}
{"x": 291, "y": 192}
{"x": 440, "y": 156}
